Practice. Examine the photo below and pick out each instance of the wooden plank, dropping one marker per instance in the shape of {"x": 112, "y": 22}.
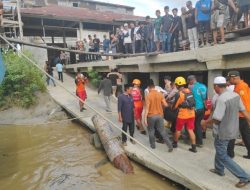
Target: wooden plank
{"x": 73, "y": 51}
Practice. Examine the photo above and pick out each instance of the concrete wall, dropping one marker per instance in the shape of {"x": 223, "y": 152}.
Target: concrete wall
{"x": 40, "y": 54}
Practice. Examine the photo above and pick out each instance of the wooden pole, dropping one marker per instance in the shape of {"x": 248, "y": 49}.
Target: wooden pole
{"x": 19, "y": 19}
{"x": 78, "y": 51}
{"x": 44, "y": 34}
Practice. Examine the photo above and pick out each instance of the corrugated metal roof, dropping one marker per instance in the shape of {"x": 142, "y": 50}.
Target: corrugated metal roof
{"x": 76, "y": 14}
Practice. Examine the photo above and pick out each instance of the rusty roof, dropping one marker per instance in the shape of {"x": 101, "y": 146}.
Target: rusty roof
{"x": 106, "y": 3}
{"x": 76, "y": 14}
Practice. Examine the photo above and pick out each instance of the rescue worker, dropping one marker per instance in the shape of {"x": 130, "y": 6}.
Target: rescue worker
{"x": 80, "y": 82}
{"x": 185, "y": 104}
{"x": 243, "y": 90}
{"x": 138, "y": 104}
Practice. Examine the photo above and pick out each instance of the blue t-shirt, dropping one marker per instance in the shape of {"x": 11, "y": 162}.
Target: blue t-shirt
{"x": 106, "y": 44}
{"x": 59, "y": 67}
{"x": 203, "y": 8}
{"x": 200, "y": 94}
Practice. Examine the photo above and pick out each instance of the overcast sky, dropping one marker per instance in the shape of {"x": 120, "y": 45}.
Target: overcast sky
{"x": 148, "y": 7}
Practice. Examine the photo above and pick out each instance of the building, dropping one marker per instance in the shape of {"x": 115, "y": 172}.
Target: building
{"x": 62, "y": 23}
{"x": 90, "y": 4}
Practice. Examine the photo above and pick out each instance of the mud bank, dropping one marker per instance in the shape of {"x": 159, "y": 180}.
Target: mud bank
{"x": 46, "y": 110}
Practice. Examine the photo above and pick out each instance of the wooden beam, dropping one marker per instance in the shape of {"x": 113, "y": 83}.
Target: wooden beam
{"x": 76, "y": 51}
{"x": 19, "y": 19}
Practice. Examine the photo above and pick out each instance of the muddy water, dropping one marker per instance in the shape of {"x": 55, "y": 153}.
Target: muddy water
{"x": 60, "y": 157}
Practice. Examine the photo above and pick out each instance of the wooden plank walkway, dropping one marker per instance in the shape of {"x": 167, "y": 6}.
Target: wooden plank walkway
{"x": 186, "y": 168}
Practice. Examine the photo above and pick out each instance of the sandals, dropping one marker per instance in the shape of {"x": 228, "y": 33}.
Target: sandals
{"x": 216, "y": 172}
{"x": 241, "y": 184}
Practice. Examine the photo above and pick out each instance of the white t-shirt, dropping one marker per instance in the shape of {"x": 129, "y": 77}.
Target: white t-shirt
{"x": 137, "y": 36}
{"x": 127, "y": 36}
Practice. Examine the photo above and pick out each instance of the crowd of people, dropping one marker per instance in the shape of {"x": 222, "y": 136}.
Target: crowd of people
{"x": 185, "y": 104}
{"x": 171, "y": 32}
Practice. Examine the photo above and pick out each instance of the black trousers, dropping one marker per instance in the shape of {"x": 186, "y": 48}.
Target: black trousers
{"x": 125, "y": 126}
{"x": 175, "y": 38}
{"x": 60, "y": 76}
{"x": 230, "y": 148}
{"x": 245, "y": 134}
{"x": 118, "y": 90}
{"x": 128, "y": 48}
{"x": 199, "y": 115}
{"x": 138, "y": 46}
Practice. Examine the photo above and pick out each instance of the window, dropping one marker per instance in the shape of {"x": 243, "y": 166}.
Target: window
{"x": 76, "y": 4}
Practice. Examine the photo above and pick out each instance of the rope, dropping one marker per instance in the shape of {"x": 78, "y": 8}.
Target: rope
{"x": 106, "y": 119}
{"x": 45, "y": 123}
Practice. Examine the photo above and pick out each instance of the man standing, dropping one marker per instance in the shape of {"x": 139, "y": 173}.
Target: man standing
{"x": 59, "y": 68}
{"x": 137, "y": 38}
{"x": 154, "y": 116}
{"x": 126, "y": 113}
{"x": 132, "y": 34}
{"x": 175, "y": 31}
{"x": 138, "y": 104}
{"x": 243, "y": 90}
{"x": 115, "y": 77}
{"x": 127, "y": 39}
{"x": 149, "y": 27}
{"x": 184, "y": 28}
{"x": 49, "y": 70}
{"x": 199, "y": 91}
{"x": 225, "y": 116}
{"x": 166, "y": 28}
{"x": 96, "y": 42}
{"x": 202, "y": 19}
{"x": 157, "y": 28}
{"x": 106, "y": 87}
{"x": 191, "y": 26}
{"x": 186, "y": 114}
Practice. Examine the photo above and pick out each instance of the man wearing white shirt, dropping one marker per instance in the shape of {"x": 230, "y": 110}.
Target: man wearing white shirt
{"x": 127, "y": 39}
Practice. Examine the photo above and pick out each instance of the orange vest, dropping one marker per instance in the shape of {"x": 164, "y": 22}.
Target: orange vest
{"x": 137, "y": 97}
{"x": 80, "y": 86}
{"x": 184, "y": 113}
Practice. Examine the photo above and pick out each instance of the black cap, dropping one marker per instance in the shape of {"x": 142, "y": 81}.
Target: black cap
{"x": 233, "y": 74}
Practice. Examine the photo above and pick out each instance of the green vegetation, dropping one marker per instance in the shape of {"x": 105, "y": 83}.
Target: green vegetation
{"x": 94, "y": 78}
{"x": 22, "y": 81}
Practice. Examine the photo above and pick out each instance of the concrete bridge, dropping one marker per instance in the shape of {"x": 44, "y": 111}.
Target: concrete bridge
{"x": 208, "y": 61}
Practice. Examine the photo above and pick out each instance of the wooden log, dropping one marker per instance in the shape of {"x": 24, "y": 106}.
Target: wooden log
{"x": 112, "y": 146}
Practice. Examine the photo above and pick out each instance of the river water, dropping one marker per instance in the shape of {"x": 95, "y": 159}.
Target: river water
{"x": 60, "y": 157}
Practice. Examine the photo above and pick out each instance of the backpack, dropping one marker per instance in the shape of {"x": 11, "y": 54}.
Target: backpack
{"x": 189, "y": 102}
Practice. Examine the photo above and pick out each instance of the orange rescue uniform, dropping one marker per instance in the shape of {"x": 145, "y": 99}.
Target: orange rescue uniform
{"x": 138, "y": 103}
{"x": 80, "y": 89}
{"x": 244, "y": 92}
{"x": 185, "y": 116}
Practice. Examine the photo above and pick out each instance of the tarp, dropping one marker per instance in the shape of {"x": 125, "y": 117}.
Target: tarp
{"x": 2, "y": 69}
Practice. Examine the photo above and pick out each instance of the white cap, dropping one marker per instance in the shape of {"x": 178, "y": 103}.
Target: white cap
{"x": 126, "y": 24}
{"x": 220, "y": 80}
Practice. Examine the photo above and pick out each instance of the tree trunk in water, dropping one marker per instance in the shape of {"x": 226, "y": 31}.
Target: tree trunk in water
{"x": 112, "y": 145}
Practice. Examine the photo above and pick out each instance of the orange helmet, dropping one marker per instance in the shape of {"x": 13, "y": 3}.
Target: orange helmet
{"x": 136, "y": 82}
